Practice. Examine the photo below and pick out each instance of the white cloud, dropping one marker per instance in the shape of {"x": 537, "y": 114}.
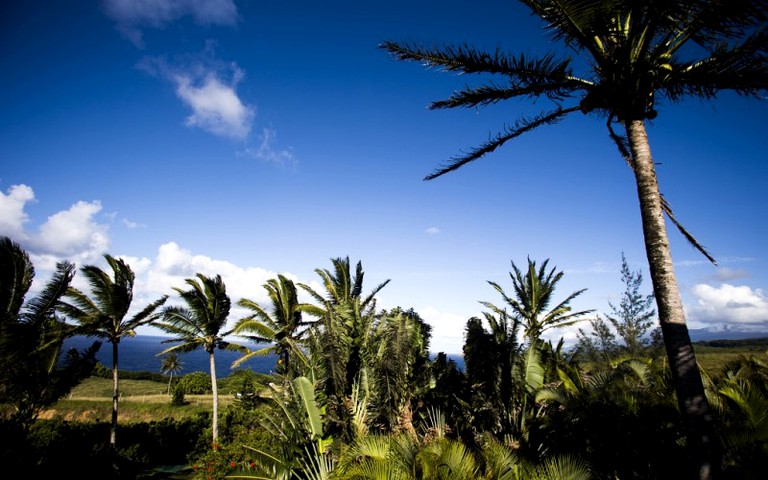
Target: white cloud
{"x": 74, "y": 232}
{"x": 215, "y": 106}
{"x": 266, "y": 151}
{"x": 433, "y": 231}
{"x": 12, "y": 214}
{"x": 133, "y": 15}
{"x": 447, "y": 330}
{"x": 738, "y": 306}
{"x": 173, "y": 265}
{"x": 208, "y": 87}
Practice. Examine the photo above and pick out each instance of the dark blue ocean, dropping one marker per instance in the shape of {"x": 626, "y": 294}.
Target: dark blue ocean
{"x": 139, "y": 354}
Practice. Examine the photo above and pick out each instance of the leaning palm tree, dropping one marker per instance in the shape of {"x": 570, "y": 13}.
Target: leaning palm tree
{"x": 199, "y": 325}
{"x": 282, "y": 326}
{"x": 103, "y": 314}
{"x": 636, "y": 52}
{"x": 530, "y": 305}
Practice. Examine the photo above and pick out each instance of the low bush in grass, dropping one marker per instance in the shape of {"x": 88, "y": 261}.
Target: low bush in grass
{"x": 196, "y": 383}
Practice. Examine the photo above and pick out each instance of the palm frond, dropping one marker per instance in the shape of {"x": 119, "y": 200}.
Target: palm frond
{"x": 16, "y": 275}
{"x": 489, "y": 94}
{"x": 147, "y": 314}
{"x": 46, "y": 302}
{"x": 522, "y": 126}
{"x": 688, "y": 236}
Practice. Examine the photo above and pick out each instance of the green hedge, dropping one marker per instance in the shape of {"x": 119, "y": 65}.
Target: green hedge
{"x": 59, "y": 448}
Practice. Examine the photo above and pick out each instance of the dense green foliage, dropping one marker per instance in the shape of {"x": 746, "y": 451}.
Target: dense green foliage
{"x": 57, "y": 448}
{"x": 33, "y": 374}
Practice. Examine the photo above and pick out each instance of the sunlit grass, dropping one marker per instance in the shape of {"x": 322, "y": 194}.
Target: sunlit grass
{"x": 139, "y": 401}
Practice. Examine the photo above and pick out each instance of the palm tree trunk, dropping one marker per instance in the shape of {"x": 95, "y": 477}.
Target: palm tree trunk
{"x": 691, "y": 399}
{"x": 115, "y": 393}
{"x": 215, "y": 390}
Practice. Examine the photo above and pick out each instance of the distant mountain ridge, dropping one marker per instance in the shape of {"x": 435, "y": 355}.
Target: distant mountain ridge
{"x": 708, "y": 334}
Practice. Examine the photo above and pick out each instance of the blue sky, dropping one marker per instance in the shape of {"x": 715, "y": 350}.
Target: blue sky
{"x": 249, "y": 139}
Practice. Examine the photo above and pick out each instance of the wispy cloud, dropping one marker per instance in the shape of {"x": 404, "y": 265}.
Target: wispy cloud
{"x": 132, "y": 225}
{"x": 724, "y": 274}
{"x": 133, "y": 16}
{"x": 432, "y": 231}
{"x": 596, "y": 267}
{"x": 208, "y": 87}
{"x": 267, "y": 152}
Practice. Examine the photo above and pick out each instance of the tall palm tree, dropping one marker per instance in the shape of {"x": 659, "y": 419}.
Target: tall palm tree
{"x": 171, "y": 364}
{"x": 282, "y": 326}
{"x": 534, "y": 292}
{"x": 345, "y": 328}
{"x": 103, "y": 314}
{"x": 199, "y": 325}
{"x": 32, "y": 374}
{"x": 636, "y": 52}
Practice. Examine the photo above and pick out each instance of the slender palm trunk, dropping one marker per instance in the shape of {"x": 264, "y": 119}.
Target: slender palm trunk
{"x": 115, "y": 393}
{"x": 215, "y": 389}
{"x": 695, "y": 410}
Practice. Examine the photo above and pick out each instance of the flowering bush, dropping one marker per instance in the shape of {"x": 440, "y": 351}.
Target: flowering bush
{"x": 223, "y": 460}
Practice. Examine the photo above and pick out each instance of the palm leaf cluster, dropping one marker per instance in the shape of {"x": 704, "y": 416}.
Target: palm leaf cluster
{"x": 33, "y": 374}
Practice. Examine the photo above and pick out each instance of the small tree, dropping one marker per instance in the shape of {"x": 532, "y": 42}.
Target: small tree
{"x": 530, "y": 305}
{"x": 631, "y": 321}
{"x": 599, "y": 344}
{"x": 634, "y": 316}
{"x": 170, "y": 364}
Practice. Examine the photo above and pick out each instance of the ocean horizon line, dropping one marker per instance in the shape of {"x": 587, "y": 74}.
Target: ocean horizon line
{"x": 140, "y": 353}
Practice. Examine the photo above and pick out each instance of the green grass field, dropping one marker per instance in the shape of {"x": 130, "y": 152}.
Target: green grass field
{"x": 139, "y": 401}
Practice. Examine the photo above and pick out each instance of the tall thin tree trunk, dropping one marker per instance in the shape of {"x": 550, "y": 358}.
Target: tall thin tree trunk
{"x": 115, "y": 393}
{"x": 694, "y": 408}
{"x": 215, "y": 389}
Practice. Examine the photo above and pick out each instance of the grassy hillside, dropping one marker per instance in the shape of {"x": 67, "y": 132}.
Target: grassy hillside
{"x": 140, "y": 401}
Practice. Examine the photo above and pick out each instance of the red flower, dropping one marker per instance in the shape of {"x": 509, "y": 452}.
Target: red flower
{"x": 232, "y": 464}
{"x": 251, "y": 464}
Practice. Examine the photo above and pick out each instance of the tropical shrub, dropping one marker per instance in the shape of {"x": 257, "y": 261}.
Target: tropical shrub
{"x": 195, "y": 383}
